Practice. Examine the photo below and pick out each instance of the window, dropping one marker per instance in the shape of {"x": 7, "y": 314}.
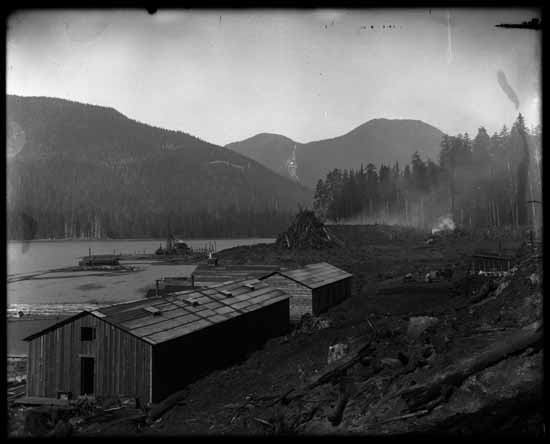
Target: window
{"x": 87, "y": 333}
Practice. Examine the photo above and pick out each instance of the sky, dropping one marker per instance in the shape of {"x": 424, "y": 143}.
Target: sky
{"x": 225, "y": 75}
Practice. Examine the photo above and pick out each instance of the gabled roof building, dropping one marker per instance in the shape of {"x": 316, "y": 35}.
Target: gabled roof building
{"x": 313, "y": 289}
{"x": 150, "y": 348}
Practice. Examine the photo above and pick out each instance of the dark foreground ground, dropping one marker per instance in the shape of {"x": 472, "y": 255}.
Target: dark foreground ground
{"x": 387, "y": 385}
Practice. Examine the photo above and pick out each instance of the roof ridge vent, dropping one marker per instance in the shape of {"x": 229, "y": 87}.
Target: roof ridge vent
{"x": 153, "y": 310}
{"x": 227, "y": 293}
{"x": 250, "y": 286}
{"x": 194, "y": 300}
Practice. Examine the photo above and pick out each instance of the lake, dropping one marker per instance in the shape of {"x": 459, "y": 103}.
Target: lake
{"x": 59, "y": 292}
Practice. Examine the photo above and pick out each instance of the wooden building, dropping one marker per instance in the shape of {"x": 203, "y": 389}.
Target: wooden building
{"x": 312, "y": 289}
{"x": 491, "y": 263}
{"x": 149, "y": 348}
{"x": 167, "y": 285}
{"x": 207, "y": 275}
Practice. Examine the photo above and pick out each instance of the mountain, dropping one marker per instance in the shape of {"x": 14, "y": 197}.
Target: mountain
{"x": 79, "y": 170}
{"x": 376, "y": 141}
{"x": 271, "y": 150}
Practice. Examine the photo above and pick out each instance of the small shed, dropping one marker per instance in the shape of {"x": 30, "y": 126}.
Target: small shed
{"x": 167, "y": 285}
{"x": 491, "y": 262}
{"x": 312, "y": 289}
{"x": 150, "y": 348}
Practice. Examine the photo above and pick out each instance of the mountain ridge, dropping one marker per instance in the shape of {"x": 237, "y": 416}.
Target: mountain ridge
{"x": 72, "y": 166}
{"x": 370, "y": 142}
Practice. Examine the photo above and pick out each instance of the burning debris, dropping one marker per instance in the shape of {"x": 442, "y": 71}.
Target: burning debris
{"x": 306, "y": 231}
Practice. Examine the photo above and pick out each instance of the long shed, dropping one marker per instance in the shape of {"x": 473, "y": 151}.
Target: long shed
{"x": 313, "y": 289}
{"x": 207, "y": 275}
{"x": 149, "y": 348}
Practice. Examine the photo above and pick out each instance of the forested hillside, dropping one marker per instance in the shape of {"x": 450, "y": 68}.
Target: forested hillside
{"x": 77, "y": 170}
{"x": 271, "y": 150}
{"x": 490, "y": 181}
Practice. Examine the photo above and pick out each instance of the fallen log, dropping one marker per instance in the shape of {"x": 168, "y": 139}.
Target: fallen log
{"x": 336, "y": 416}
{"x": 483, "y": 292}
{"x": 162, "y": 407}
{"x": 483, "y": 332}
{"x": 141, "y": 418}
{"x": 264, "y": 422}
{"x": 345, "y": 393}
{"x": 441, "y": 386}
{"x": 400, "y": 417}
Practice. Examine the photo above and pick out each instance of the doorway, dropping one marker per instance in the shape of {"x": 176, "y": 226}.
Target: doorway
{"x": 86, "y": 376}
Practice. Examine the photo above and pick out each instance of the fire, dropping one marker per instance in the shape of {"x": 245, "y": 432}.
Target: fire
{"x": 444, "y": 223}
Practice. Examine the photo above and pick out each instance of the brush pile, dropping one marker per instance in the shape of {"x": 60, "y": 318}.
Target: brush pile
{"x": 306, "y": 231}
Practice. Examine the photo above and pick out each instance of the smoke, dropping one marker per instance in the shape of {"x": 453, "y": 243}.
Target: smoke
{"x": 421, "y": 213}
{"x": 379, "y": 219}
{"x": 503, "y": 82}
{"x": 445, "y": 223}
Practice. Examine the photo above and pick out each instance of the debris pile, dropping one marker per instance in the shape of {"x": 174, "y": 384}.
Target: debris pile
{"x": 306, "y": 231}
{"x": 309, "y": 323}
{"x": 81, "y": 416}
{"x": 462, "y": 372}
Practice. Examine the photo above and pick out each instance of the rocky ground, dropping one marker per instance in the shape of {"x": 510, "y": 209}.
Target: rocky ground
{"x": 465, "y": 356}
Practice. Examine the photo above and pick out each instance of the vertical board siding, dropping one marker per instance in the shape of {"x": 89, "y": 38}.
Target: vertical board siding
{"x": 178, "y": 362}
{"x": 331, "y": 295}
{"x": 121, "y": 361}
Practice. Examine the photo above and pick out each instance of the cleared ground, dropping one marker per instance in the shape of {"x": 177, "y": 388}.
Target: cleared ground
{"x": 246, "y": 398}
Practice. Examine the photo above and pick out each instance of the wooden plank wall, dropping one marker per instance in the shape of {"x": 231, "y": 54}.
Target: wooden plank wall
{"x": 122, "y": 361}
{"x": 300, "y": 295}
{"x": 178, "y": 362}
{"x": 330, "y": 295}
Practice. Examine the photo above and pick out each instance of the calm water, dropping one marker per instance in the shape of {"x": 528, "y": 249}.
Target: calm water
{"x": 43, "y": 255}
{"x": 64, "y": 292}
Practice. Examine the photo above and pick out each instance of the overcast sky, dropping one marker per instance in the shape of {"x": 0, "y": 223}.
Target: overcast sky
{"x": 312, "y": 74}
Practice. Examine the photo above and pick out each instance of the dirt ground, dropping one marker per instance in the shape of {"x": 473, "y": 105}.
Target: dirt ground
{"x": 247, "y": 398}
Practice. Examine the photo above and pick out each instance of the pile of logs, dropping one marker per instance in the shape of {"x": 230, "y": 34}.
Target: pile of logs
{"x": 306, "y": 231}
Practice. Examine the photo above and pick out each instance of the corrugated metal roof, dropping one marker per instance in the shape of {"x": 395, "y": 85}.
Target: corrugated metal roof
{"x": 209, "y": 275}
{"x": 316, "y": 275}
{"x": 184, "y": 312}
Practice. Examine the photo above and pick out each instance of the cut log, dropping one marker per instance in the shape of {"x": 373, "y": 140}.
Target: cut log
{"x": 442, "y": 385}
